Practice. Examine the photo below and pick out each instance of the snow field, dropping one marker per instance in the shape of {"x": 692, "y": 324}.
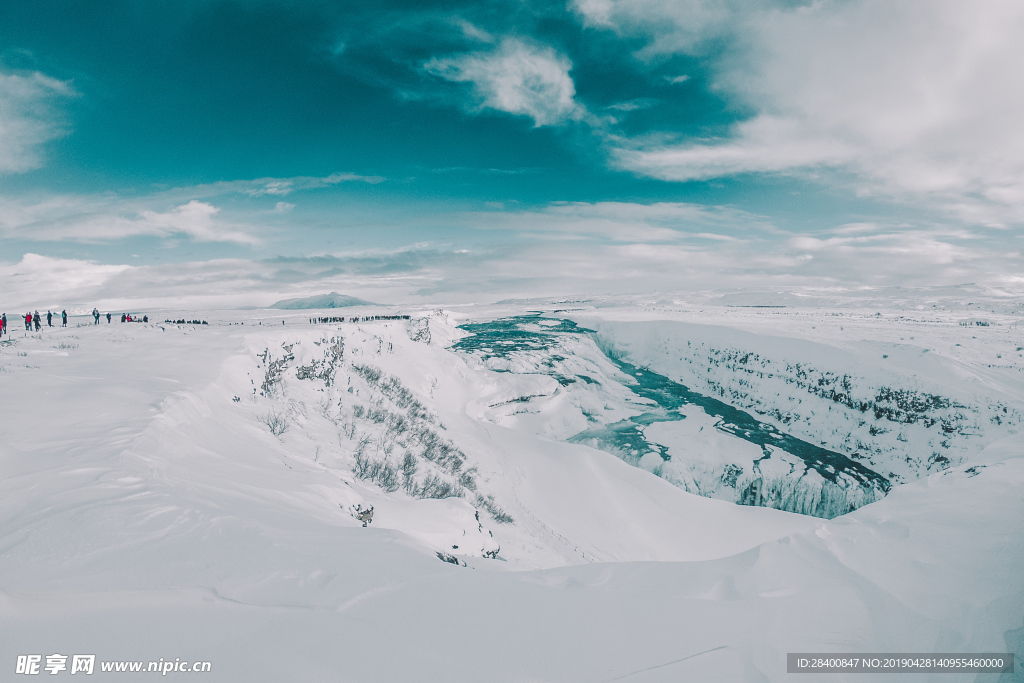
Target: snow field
{"x": 145, "y": 513}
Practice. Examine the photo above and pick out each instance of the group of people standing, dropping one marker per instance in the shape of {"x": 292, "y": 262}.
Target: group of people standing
{"x": 34, "y": 319}
{"x": 37, "y": 320}
{"x": 356, "y": 319}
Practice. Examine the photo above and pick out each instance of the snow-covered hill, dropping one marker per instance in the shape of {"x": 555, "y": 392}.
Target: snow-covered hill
{"x": 201, "y": 491}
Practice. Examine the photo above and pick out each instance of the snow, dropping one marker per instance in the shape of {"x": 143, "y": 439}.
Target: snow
{"x": 146, "y": 513}
{"x": 831, "y": 386}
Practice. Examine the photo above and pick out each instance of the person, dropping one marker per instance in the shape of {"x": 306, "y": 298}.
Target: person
{"x": 28, "y": 321}
{"x": 64, "y": 318}
{"x": 49, "y": 319}
{"x": 38, "y": 321}
{"x": 108, "y": 317}
{"x": 3, "y": 325}
{"x": 95, "y": 316}
{"x": 123, "y": 316}
{"x": 145, "y": 318}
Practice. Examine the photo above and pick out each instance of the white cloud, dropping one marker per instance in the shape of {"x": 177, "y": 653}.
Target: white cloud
{"x": 283, "y": 186}
{"x": 624, "y": 222}
{"x": 517, "y": 78}
{"x": 195, "y": 219}
{"x": 763, "y": 144}
{"x": 176, "y": 212}
{"x": 41, "y": 281}
{"x": 108, "y": 218}
{"x": 562, "y": 249}
{"x": 670, "y": 25}
{"x": 916, "y": 100}
{"x": 609, "y": 245}
{"x": 634, "y": 104}
{"x": 473, "y": 32}
{"x": 27, "y": 118}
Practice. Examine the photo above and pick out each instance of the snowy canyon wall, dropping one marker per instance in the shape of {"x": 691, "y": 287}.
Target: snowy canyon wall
{"x": 902, "y": 413}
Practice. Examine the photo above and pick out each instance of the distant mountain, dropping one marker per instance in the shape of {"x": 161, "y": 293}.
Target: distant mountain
{"x": 332, "y": 300}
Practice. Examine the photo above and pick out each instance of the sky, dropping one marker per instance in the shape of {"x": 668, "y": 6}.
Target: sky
{"x": 208, "y": 153}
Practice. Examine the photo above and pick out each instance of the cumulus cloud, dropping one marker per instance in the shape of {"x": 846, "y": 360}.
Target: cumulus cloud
{"x": 195, "y": 219}
{"x": 28, "y": 118}
{"x": 915, "y": 100}
{"x": 517, "y": 78}
{"x": 105, "y": 218}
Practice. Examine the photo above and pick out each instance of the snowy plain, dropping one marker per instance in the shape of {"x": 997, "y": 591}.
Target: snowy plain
{"x": 149, "y": 510}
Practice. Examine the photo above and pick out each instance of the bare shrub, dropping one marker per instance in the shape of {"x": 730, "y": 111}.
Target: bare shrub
{"x": 408, "y": 472}
{"x": 397, "y": 425}
{"x": 276, "y": 421}
{"x": 326, "y": 408}
{"x": 499, "y": 515}
{"x": 370, "y": 374}
{"x": 435, "y": 487}
{"x": 384, "y": 444}
{"x": 438, "y": 450}
{"x": 377, "y": 415}
{"x": 403, "y": 398}
{"x": 467, "y": 479}
{"x": 380, "y": 472}
{"x": 387, "y": 477}
{"x": 450, "y": 457}
{"x": 393, "y": 389}
{"x": 428, "y": 440}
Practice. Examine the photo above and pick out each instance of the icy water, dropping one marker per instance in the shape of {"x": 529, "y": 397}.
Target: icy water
{"x": 500, "y": 338}
{"x": 671, "y": 395}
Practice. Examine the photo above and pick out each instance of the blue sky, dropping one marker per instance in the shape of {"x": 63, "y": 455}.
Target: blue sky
{"x": 239, "y": 152}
